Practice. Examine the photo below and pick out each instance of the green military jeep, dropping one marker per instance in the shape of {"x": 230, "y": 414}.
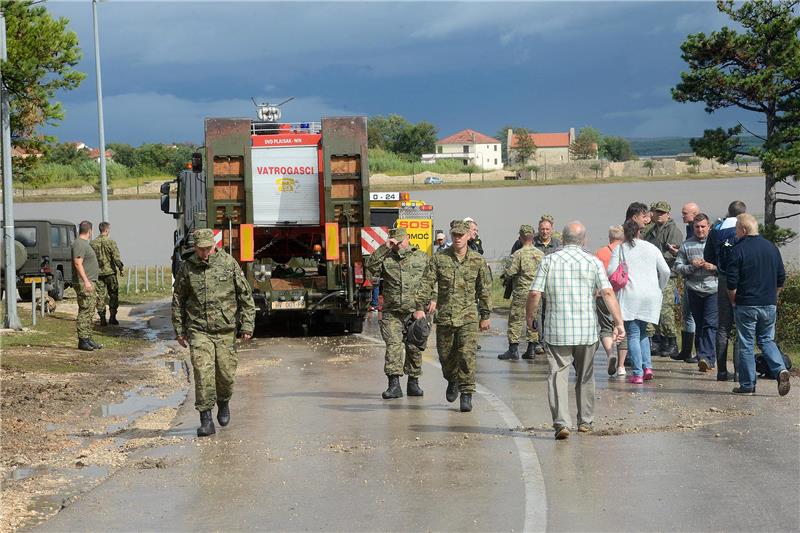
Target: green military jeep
{"x": 48, "y": 244}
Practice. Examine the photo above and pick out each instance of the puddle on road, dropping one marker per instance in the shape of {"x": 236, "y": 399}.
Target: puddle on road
{"x": 136, "y": 404}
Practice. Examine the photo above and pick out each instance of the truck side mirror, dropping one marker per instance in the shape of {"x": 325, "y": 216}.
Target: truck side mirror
{"x": 197, "y": 162}
{"x": 165, "y": 197}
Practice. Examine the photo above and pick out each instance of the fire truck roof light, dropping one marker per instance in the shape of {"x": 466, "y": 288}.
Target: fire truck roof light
{"x": 426, "y": 208}
{"x": 404, "y": 196}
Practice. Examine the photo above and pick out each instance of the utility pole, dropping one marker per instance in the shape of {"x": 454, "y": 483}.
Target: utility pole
{"x": 102, "y": 134}
{"x": 11, "y": 319}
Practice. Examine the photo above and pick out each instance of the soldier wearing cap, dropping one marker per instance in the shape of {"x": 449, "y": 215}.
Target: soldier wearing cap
{"x": 400, "y": 265}
{"x": 457, "y": 286}
{"x": 211, "y": 300}
{"x": 667, "y": 237}
{"x": 111, "y": 266}
{"x": 521, "y": 270}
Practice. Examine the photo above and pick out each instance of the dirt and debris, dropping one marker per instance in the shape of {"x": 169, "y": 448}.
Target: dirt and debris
{"x": 71, "y": 418}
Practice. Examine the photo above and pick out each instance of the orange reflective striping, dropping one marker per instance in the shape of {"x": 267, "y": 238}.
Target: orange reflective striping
{"x": 331, "y": 241}
{"x": 246, "y": 244}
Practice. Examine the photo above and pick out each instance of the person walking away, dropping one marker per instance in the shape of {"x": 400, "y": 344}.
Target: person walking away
{"x": 457, "y": 286}
{"x": 616, "y": 361}
{"x": 721, "y": 241}
{"x": 521, "y": 271}
{"x": 640, "y": 298}
{"x": 111, "y": 267}
{"x": 401, "y": 266}
{"x": 665, "y": 236}
{"x": 85, "y": 270}
{"x": 700, "y": 282}
{"x": 211, "y": 301}
{"x": 570, "y": 278}
{"x": 755, "y": 276}
{"x": 688, "y": 212}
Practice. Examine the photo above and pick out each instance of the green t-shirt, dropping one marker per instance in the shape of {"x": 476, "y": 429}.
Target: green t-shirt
{"x": 82, "y": 248}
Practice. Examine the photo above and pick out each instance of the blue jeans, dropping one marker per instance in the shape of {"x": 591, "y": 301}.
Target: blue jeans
{"x": 689, "y": 323}
{"x": 706, "y": 316}
{"x": 376, "y": 290}
{"x": 756, "y": 324}
{"x": 638, "y": 345}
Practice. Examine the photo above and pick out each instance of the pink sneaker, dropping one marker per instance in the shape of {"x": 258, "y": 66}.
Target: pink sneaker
{"x": 636, "y": 380}
{"x": 648, "y": 374}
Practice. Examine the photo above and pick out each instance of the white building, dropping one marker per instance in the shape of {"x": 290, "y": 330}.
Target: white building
{"x": 471, "y": 147}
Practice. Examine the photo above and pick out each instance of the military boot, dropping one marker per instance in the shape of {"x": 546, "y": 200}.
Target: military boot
{"x": 466, "y": 402}
{"x": 223, "y": 413}
{"x": 452, "y": 391}
{"x": 394, "y": 390}
{"x": 655, "y": 345}
{"x": 85, "y": 345}
{"x": 512, "y": 354}
{"x": 95, "y": 345}
{"x": 530, "y": 351}
{"x": 206, "y": 424}
{"x": 113, "y": 319}
{"x": 670, "y": 347}
{"x": 102, "y": 315}
{"x": 413, "y": 388}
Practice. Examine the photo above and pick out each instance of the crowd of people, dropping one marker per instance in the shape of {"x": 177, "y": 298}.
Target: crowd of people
{"x": 566, "y": 301}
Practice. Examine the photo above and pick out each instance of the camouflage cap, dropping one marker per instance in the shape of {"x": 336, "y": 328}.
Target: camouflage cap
{"x": 526, "y": 230}
{"x": 203, "y": 238}
{"x": 661, "y": 205}
{"x": 547, "y": 218}
{"x": 460, "y": 228}
{"x": 454, "y": 222}
{"x": 398, "y": 233}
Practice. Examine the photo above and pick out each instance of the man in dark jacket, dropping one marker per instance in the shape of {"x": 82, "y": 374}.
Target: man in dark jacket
{"x": 717, "y": 251}
{"x": 755, "y": 276}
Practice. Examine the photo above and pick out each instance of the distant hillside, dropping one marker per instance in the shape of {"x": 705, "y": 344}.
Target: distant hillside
{"x": 673, "y": 145}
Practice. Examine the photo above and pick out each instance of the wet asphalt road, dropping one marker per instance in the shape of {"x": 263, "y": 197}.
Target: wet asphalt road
{"x": 311, "y": 446}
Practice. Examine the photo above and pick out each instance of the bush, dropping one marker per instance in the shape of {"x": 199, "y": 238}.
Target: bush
{"x": 385, "y": 162}
{"x": 787, "y": 328}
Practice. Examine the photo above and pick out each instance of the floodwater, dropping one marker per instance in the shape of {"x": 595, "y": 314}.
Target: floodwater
{"x": 145, "y": 234}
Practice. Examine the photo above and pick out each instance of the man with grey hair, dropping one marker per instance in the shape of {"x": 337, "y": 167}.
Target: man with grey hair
{"x": 569, "y": 278}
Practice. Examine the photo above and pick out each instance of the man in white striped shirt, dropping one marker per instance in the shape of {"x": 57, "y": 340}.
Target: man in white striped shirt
{"x": 569, "y": 280}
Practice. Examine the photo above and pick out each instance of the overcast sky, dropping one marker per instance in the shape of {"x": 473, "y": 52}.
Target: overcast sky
{"x": 479, "y": 65}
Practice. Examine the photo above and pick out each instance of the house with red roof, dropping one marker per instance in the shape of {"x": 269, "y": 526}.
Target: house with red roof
{"x": 471, "y": 148}
{"x": 550, "y": 147}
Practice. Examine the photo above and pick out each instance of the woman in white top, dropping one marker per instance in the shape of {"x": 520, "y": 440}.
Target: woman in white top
{"x": 640, "y": 299}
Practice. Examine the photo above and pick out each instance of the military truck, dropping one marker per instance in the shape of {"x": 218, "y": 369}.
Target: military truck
{"x": 44, "y": 254}
{"x": 287, "y": 201}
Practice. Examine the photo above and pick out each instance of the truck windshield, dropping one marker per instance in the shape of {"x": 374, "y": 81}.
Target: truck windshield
{"x": 27, "y": 236}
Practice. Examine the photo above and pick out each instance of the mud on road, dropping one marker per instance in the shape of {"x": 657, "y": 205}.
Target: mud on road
{"x": 70, "y": 418}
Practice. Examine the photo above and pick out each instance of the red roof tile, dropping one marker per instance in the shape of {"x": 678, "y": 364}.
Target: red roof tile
{"x": 468, "y": 137}
{"x": 547, "y": 140}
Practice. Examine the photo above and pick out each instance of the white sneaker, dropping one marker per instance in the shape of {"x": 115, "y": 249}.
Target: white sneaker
{"x": 620, "y": 372}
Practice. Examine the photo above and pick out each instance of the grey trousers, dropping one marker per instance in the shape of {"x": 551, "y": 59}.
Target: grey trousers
{"x": 560, "y": 359}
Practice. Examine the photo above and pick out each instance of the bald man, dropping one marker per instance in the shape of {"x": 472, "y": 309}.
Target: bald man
{"x": 688, "y": 212}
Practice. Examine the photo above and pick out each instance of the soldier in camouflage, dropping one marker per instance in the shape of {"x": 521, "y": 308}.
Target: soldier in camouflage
{"x": 84, "y": 280}
{"x": 400, "y": 265}
{"x": 211, "y": 300}
{"x": 110, "y": 268}
{"x": 521, "y": 270}
{"x": 463, "y": 304}
{"x": 665, "y": 235}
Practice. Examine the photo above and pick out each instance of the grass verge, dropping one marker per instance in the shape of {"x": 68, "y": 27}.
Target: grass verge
{"x": 54, "y": 333}
{"x": 528, "y": 183}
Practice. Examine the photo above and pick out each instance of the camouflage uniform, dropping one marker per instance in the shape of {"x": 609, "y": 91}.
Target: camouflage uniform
{"x": 401, "y": 272}
{"x": 111, "y": 266}
{"x": 87, "y": 300}
{"x": 460, "y": 284}
{"x": 210, "y": 301}
{"x": 660, "y": 236}
{"x": 522, "y": 270}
